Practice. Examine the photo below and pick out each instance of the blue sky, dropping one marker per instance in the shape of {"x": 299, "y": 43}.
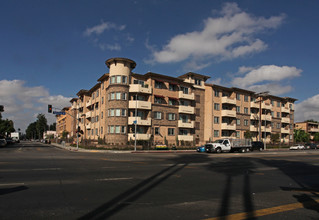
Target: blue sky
{"x": 49, "y": 50}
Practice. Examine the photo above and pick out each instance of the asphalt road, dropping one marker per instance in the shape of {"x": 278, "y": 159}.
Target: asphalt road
{"x": 44, "y": 182}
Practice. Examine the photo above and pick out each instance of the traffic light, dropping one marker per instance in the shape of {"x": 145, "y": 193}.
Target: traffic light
{"x": 50, "y": 108}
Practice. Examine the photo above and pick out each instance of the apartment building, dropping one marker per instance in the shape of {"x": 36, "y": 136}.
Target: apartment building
{"x": 66, "y": 122}
{"x": 165, "y": 109}
{"x": 309, "y": 127}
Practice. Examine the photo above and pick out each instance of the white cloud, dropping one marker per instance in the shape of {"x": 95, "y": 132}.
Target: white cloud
{"x": 112, "y": 47}
{"x": 22, "y": 104}
{"x": 100, "y": 28}
{"x": 229, "y": 36}
{"x": 307, "y": 109}
{"x": 264, "y": 73}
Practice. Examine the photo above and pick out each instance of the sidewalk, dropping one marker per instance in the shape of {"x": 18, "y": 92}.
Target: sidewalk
{"x": 70, "y": 148}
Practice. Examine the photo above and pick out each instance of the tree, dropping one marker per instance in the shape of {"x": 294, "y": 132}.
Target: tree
{"x": 316, "y": 137}
{"x": 6, "y": 127}
{"x": 52, "y": 127}
{"x": 65, "y": 134}
{"x": 41, "y": 125}
{"x": 274, "y": 138}
{"x": 301, "y": 136}
{"x": 248, "y": 134}
{"x": 31, "y": 132}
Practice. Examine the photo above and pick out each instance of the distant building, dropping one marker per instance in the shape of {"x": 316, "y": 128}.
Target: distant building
{"x": 309, "y": 127}
{"x": 47, "y": 134}
{"x": 173, "y": 109}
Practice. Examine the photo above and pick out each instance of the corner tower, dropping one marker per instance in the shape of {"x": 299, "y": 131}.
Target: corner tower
{"x": 117, "y": 95}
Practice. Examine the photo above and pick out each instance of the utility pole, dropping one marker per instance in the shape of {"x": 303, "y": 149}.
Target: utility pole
{"x": 135, "y": 121}
{"x": 261, "y": 95}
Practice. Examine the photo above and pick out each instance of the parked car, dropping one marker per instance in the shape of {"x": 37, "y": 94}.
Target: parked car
{"x": 9, "y": 140}
{"x": 297, "y": 147}
{"x": 201, "y": 149}
{"x": 257, "y": 145}
{"x": 311, "y": 146}
{"x": 3, "y": 142}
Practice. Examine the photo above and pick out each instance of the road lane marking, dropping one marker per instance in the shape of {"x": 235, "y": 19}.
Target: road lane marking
{"x": 268, "y": 211}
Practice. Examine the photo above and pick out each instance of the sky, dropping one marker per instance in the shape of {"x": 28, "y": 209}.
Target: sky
{"x": 50, "y": 50}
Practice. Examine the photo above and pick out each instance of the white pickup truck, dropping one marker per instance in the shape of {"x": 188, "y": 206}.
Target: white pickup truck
{"x": 229, "y": 145}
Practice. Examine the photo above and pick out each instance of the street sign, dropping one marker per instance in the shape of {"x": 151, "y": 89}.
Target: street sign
{"x": 135, "y": 122}
{"x": 59, "y": 113}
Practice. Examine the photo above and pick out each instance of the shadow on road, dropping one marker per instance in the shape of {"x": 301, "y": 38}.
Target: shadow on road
{"x": 12, "y": 190}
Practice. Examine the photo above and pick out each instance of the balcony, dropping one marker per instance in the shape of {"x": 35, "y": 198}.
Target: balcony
{"x": 185, "y": 138}
{"x": 140, "y": 104}
{"x": 285, "y": 131}
{"x": 266, "y": 106}
{"x": 190, "y": 96}
{"x": 88, "y": 114}
{"x": 266, "y": 117}
{"x": 88, "y": 103}
{"x": 144, "y": 137}
{"x": 88, "y": 126}
{"x": 253, "y": 128}
{"x": 227, "y": 100}
{"x": 182, "y": 124}
{"x": 226, "y": 126}
{"x": 254, "y": 105}
{"x": 138, "y": 88}
{"x": 285, "y": 110}
{"x": 313, "y": 129}
{"x": 140, "y": 121}
{"x": 186, "y": 109}
{"x": 229, "y": 113}
{"x": 267, "y": 129}
{"x": 286, "y": 120}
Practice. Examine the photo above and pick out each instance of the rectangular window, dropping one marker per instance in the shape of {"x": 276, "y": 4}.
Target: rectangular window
{"x": 123, "y": 129}
{"x": 123, "y": 112}
{"x": 157, "y": 131}
{"x": 97, "y": 93}
{"x": 246, "y": 110}
{"x": 216, "y": 133}
{"x": 111, "y": 112}
{"x": 237, "y": 121}
{"x": 184, "y": 89}
{"x": 157, "y": 115}
{"x": 216, "y": 93}
{"x": 118, "y": 79}
{"x": 198, "y": 82}
{"x": 102, "y": 100}
{"x": 96, "y": 131}
{"x": 124, "y": 79}
{"x": 278, "y": 104}
{"x": 238, "y": 109}
{"x": 171, "y": 116}
{"x": 112, "y": 79}
{"x": 246, "y": 122}
{"x": 112, "y": 96}
{"x": 238, "y": 97}
{"x": 171, "y": 131}
{"x": 172, "y": 87}
{"x": 117, "y": 112}
{"x": 124, "y": 96}
{"x": 246, "y": 98}
{"x": 278, "y": 114}
{"x": 216, "y": 106}
{"x": 238, "y": 134}
{"x": 117, "y": 129}
{"x": 111, "y": 129}
{"x": 158, "y": 84}
{"x": 216, "y": 120}
{"x": 158, "y": 100}
{"x": 101, "y": 130}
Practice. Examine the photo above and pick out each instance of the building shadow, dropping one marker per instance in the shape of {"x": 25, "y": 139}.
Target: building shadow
{"x": 12, "y": 190}
{"x": 234, "y": 168}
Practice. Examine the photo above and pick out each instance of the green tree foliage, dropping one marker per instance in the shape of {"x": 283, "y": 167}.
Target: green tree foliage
{"x": 316, "y": 137}
{"x": 274, "y": 138}
{"x": 248, "y": 134}
{"x": 36, "y": 129}
{"x": 52, "y": 127}
{"x": 31, "y": 132}
{"x": 6, "y": 127}
{"x": 301, "y": 136}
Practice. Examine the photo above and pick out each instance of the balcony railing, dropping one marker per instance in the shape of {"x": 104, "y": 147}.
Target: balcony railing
{"x": 138, "y": 88}
{"x": 88, "y": 103}
{"x": 227, "y": 100}
{"x": 182, "y": 95}
{"x": 182, "y": 124}
{"x": 226, "y": 126}
{"x": 285, "y": 110}
{"x": 285, "y": 131}
{"x": 186, "y": 109}
{"x": 144, "y": 137}
{"x": 88, "y": 126}
{"x": 266, "y": 106}
{"x": 229, "y": 113}
{"x": 254, "y": 128}
{"x": 140, "y": 121}
{"x": 140, "y": 104}
{"x": 254, "y": 105}
{"x": 266, "y": 117}
{"x": 88, "y": 114}
{"x": 313, "y": 129}
{"x": 285, "y": 120}
{"x": 185, "y": 138}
